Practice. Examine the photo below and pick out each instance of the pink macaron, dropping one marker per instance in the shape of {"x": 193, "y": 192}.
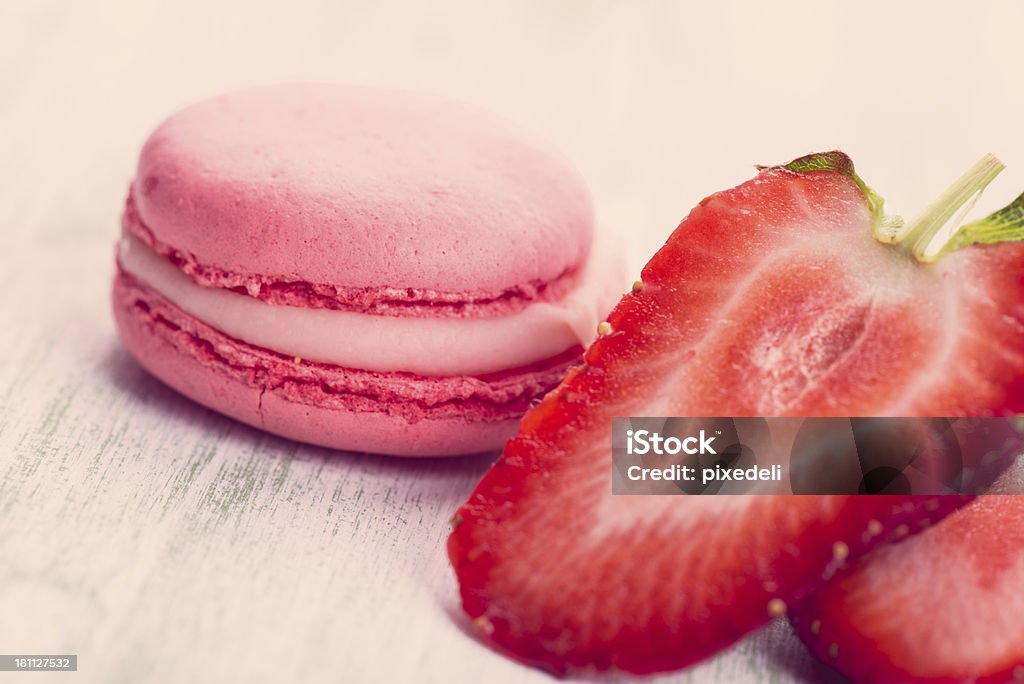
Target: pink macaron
{"x": 364, "y": 269}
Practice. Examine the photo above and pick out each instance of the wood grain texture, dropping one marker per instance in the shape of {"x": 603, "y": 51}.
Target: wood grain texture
{"x": 164, "y": 543}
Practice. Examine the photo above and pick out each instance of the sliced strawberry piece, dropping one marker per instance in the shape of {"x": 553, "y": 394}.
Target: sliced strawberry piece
{"x": 946, "y": 606}
{"x": 769, "y": 299}
{"x": 645, "y": 584}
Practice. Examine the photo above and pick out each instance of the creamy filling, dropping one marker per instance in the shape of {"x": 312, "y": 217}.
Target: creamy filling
{"x": 425, "y": 346}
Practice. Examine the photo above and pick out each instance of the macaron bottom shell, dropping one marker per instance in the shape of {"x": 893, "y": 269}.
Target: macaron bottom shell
{"x": 349, "y": 409}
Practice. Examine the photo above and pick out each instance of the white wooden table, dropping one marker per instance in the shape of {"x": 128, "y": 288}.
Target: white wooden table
{"x": 164, "y": 543}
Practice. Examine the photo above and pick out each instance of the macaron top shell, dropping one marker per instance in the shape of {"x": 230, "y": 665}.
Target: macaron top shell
{"x": 361, "y": 189}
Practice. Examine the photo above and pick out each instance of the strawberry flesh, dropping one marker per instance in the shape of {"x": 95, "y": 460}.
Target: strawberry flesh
{"x": 645, "y": 584}
{"x": 769, "y": 299}
{"x": 946, "y": 606}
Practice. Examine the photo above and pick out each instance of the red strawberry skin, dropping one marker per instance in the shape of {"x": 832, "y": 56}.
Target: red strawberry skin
{"x": 769, "y": 299}
{"x": 946, "y": 606}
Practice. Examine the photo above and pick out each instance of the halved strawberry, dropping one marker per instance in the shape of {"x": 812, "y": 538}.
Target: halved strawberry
{"x": 946, "y": 606}
{"x": 772, "y": 298}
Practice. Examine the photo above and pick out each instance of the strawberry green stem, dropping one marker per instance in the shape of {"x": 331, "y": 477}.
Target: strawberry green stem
{"x": 918, "y": 235}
